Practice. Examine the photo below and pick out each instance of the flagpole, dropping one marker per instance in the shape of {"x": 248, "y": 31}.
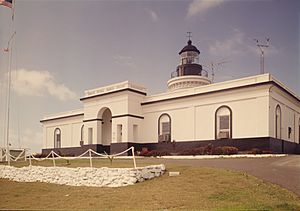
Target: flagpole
{"x": 10, "y": 51}
{"x": 8, "y": 107}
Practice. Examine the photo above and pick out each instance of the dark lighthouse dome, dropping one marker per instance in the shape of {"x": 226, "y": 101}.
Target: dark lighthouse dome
{"x": 189, "y": 47}
{"x": 189, "y": 72}
{"x": 189, "y": 64}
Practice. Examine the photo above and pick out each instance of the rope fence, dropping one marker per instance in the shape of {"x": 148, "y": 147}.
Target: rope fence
{"x": 54, "y": 156}
{"x": 21, "y": 155}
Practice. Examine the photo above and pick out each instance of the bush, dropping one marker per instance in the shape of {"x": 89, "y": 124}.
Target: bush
{"x": 230, "y": 150}
{"x": 210, "y": 150}
{"x": 260, "y": 151}
{"x": 39, "y": 155}
{"x": 195, "y": 151}
{"x": 225, "y": 150}
{"x": 267, "y": 152}
{"x": 66, "y": 154}
{"x": 156, "y": 153}
{"x": 144, "y": 151}
{"x": 187, "y": 152}
{"x": 217, "y": 151}
{"x": 256, "y": 151}
{"x": 199, "y": 150}
{"x": 164, "y": 153}
{"x": 153, "y": 153}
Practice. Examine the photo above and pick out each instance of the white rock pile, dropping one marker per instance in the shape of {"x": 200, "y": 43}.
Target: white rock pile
{"x": 95, "y": 177}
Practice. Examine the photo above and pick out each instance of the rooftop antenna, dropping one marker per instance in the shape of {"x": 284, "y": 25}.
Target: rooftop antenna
{"x": 262, "y": 56}
{"x": 214, "y": 65}
{"x": 189, "y": 35}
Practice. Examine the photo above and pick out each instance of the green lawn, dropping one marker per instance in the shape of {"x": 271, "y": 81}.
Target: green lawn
{"x": 196, "y": 188}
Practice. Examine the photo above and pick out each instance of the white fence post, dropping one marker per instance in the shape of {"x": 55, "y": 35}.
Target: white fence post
{"x": 30, "y": 160}
{"x": 8, "y": 156}
{"x": 53, "y": 158}
{"x": 90, "y": 154}
{"x": 134, "y": 163}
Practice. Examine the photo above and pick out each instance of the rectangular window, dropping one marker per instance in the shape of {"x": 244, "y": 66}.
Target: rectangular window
{"x": 165, "y": 128}
{"x": 289, "y": 132}
{"x": 58, "y": 140}
{"x": 119, "y": 133}
{"x": 90, "y": 135}
{"x": 224, "y": 122}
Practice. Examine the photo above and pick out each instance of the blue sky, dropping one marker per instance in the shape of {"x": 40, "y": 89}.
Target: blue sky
{"x": 65, "y": 47}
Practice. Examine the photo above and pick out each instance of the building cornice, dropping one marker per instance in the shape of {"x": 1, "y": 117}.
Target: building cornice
{"x": 91, "y": 120}
{"x": 112, "y": 92}
{"x": 224, "y": 90}
{"x": 127, "y": 115}
{"x": 61, "y": 117}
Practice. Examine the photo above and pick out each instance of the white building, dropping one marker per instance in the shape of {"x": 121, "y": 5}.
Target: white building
{"x": 253, "y": 112}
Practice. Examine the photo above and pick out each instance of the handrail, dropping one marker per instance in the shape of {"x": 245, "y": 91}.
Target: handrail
{"x": 177, "y": 74}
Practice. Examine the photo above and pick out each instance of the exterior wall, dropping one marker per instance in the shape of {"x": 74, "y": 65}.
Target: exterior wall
{"x": 138, "y": 123}
{"x": 124, "y": 133}
{"x": 192, "y": 112}
{"x": 70, "y": 132}
{"x": 290, "y": 114}
{"x": 123, "y": 106}
{"x": 193, "y": 118}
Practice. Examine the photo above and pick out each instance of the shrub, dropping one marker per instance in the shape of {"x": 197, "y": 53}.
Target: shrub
{"x": 39, "y": 155}
{"x": 156, "y": 153}
{"x": 260, "y": 151}
{"x": 231, "y": 150}
{"x": 187, "y": 152}
{"x": 199, "y": 151}
{"x": 217, "y": 151}
{"x": 256, "y": 151}
{"x": 66, "y": 154}
{"x": 164, "y": 153}
{"x": 144, "y": 151}
{"x": 225, "y": 150}
{"x": 153, "y": 153}
{"x": 195, "y": 151}
{"x": 267, "y": 152}
{"x": 208, "y": 149}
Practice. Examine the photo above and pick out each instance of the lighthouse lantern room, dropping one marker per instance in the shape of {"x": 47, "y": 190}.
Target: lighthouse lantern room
{"x": 189, "y": 72}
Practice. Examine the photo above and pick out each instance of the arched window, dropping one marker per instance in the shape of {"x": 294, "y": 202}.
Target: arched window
{"x": 81, "y": 135}
{"x": 164, "y": 128}
{"x": 57, "y": 138}
{"x": 278, "y": 122}
{"x": 223, "y": 123}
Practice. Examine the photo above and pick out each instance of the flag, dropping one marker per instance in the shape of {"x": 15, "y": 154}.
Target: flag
{"x": 6, "y": 3}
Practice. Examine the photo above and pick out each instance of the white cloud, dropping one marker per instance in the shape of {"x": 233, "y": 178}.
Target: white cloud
{"x": 202, "y": 6}
{"x": 232, "y": 46}
{"x": 126, "y": 61}
{"x": 237, "y": 44}
{"x": 153, "y": 15}
{"x": 39, "y": 83}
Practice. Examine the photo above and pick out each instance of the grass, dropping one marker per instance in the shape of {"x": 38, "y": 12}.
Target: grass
{"x": 196, "y": 188}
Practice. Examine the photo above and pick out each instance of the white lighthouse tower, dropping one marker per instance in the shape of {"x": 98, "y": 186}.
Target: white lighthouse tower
{"x": 189, "y": 72}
